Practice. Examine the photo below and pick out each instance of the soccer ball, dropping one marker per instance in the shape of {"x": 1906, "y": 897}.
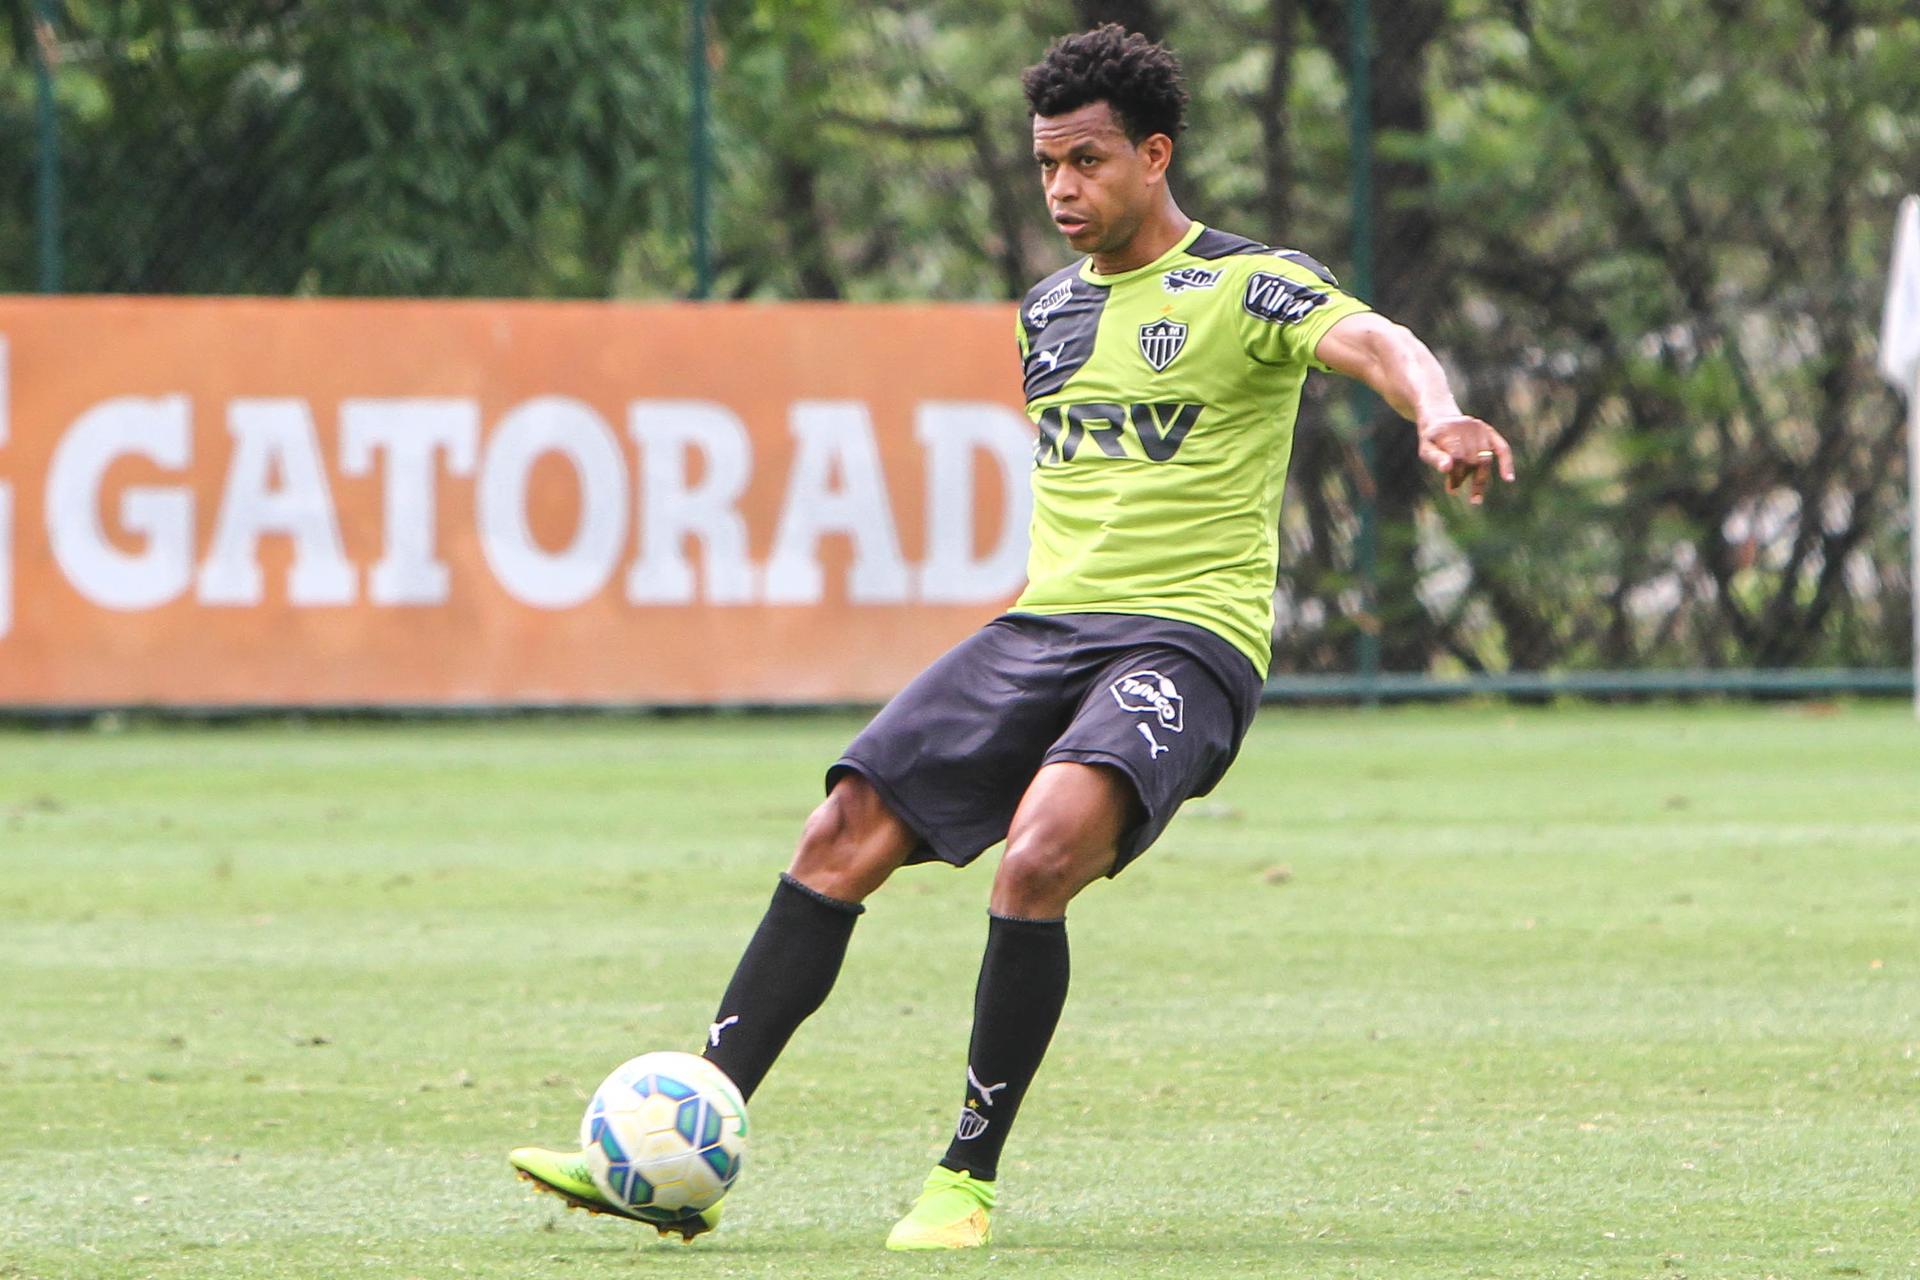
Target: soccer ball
{"x": 665, "y": 1135}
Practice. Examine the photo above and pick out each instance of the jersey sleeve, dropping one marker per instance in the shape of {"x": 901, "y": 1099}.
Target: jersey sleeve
{"x": 1020, "y": 336}
{"x": 1286, "y": 308}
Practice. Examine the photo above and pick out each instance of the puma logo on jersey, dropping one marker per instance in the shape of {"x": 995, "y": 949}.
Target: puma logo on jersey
{"x": 1065, "y": 430}
{"x": 1181, "y": 279}
{"x": 1154, "y": 749}
{"x": 1047, "y": 359}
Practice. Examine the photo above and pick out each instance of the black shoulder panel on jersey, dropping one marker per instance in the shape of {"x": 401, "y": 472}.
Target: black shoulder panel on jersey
{"x": 1036, "y": 297}
{"x": 1311, "y": 264}
{"x": 1061, "y": 315}
{"x": 1210, "y": 244}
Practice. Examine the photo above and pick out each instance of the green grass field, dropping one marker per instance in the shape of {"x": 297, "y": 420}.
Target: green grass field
{"x": 1471, "y": 992}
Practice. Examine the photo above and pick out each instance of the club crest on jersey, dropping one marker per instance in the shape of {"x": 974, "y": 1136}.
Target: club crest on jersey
{"x": 1149, "y": 693}
{"x": 1161, "y": 341}
{"x": 1049, "y": 302}
{"x": 1283, "y": 301}
{"x": 1181, "y": 279}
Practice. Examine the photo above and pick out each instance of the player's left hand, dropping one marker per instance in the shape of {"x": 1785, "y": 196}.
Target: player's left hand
{"x": 1467, "y": 451}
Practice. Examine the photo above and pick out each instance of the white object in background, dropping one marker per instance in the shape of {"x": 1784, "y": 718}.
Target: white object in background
{"x": 1900, "y": 362}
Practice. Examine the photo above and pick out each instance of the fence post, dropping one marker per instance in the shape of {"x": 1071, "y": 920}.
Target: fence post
{"x": 47, "y": 126}
{"x": 702, "y": 149}
{"x": 1359, "y": 399}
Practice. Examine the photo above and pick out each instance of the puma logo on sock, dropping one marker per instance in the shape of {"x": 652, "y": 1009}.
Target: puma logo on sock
{"x": 986, "y": 1091}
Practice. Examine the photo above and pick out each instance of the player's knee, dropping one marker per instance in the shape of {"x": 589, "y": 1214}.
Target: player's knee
{"x": 850, "y": 843}
{"x": 1041, "y": 872}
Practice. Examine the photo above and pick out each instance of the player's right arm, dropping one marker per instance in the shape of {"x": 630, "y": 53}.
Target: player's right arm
{"x": 1400, "y": 368}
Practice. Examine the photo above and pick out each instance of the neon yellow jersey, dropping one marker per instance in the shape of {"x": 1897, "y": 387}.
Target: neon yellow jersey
{"x": 1165, "y": 399}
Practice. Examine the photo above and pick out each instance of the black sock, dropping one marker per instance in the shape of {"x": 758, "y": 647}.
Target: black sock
{"x": 785, "y": 975}
{"x": 1023, "y": 986}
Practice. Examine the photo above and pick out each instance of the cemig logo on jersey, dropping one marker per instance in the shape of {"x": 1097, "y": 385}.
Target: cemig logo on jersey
{"x": 1161, "y": 341}
{"x": 1051, "y": 301}
{"x": 1152, "y": 694}
{"x": 1279, "y": 299}
{"x": 1181, "y": 279}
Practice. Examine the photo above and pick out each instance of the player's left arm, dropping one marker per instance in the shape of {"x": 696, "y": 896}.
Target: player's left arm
{"x": 1399, "y": 367}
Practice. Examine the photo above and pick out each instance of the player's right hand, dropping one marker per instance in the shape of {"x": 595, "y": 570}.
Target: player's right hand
{"x": 1466, "y": 451}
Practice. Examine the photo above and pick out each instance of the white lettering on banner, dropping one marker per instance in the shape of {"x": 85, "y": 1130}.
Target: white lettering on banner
{"x": 159, "y": 430}
{"x": 949, "y": 433}
{"x": 693, "y": 468}
{"x": 275, "y": 485}
{"x": 411, "y": 432}
{"x": 835, "y": 486}
{"x": 672, "y": 510}
{"x": 530, "y": 573}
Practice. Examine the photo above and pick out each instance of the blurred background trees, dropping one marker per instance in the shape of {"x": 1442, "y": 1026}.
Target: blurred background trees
{"x": 1649, "y": 237}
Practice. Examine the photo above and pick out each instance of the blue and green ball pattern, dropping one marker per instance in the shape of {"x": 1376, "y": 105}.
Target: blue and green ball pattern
{"x": 666, "y": 1135}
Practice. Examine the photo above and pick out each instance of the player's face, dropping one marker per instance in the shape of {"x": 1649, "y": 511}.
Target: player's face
{"x": 1100, "y": 184}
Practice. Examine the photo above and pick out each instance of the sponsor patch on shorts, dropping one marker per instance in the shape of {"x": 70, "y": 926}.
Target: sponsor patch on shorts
{"x": 1149, "y": 693}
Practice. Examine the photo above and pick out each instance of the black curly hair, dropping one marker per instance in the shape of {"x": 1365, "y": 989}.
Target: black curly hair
{"x": 1139, "y": 79}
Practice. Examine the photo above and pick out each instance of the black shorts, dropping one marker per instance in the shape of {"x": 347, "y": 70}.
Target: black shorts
{"x": 1166, "y": 703}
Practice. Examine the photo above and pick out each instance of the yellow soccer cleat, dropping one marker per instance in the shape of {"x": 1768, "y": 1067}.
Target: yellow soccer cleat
{"x": 953, "y": 1212}
{"x": 565, "y": 1174}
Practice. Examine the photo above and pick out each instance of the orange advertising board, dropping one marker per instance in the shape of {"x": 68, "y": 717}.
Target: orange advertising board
{"x": 352, "y": 503}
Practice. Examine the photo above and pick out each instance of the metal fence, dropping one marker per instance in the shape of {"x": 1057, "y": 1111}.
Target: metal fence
{"x": 1648, "y": 239}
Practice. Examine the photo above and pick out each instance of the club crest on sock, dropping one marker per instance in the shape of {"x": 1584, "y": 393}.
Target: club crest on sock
{"x": 972, "y": 1124}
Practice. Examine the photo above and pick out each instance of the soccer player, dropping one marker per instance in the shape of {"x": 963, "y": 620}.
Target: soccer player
{"x": 1163, "y": 371}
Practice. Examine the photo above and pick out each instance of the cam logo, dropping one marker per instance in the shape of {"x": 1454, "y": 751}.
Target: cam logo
{"x": 1181, "y": 279}
{"x": 1051, "y": 301}
{"x": 1161, "y": 341}
{"x": 1149, "y": 693}
{"x": 972, "y": 1124}
{"x": 1283, "y": 301}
